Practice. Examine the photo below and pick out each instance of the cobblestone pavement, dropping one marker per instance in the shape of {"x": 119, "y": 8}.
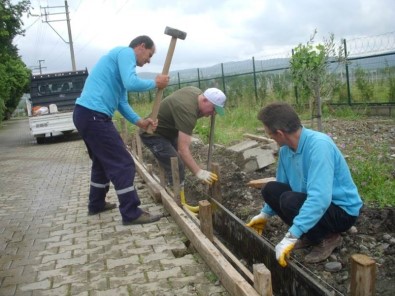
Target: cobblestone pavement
{"x": 50, "y": 246}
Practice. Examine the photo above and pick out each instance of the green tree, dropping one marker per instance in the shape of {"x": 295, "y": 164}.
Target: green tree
{"x": 310, "y": 65}
{"x": 14, "y": 75}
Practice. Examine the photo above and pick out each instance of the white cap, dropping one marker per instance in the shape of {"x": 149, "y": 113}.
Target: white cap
{"x": 217, "y": 97}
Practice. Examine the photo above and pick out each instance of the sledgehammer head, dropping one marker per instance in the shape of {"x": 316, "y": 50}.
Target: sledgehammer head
{"x": 175, "y": 33}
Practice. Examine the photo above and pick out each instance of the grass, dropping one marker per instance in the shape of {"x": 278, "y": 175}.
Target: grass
{"x": 231, "y": 127}
{"x": 373, "y": 172}
{"x": 371, "y": 166}
{"x": 375, "y": 182}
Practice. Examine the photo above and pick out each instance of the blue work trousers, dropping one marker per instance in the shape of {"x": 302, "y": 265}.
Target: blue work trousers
{"x": 110, "y": 162}
{"x": 287, "y": 203}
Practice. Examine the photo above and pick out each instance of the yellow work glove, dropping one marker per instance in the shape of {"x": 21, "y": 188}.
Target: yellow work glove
{"x": 284, "y": 248}
{"x": 183, "y": 202}
{"x": 258, "y": 222}
{"x": 207, "y": 177}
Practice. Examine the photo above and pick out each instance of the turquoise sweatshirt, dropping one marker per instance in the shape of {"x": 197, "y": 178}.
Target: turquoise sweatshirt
{"x": 106, "y": 87}
{"x": 318, "y": 169}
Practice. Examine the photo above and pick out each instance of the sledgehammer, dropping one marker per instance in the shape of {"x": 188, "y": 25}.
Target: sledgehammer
{"x": 175, "y": 34}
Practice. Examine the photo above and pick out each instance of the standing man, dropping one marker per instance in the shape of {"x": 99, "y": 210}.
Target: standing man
{"x": 177, "y": 117}
{"x": 105, "y": 91}
{"x": 314, "y": 192}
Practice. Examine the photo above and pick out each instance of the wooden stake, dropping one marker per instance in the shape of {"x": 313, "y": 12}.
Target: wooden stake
{"x": 262, "y": 280}
{"x": 176, "y": 180}
{"x": 134, "y": 147}
{"x": 206, "y": 219}
{"x": 363, "y": 275}
{"x": 162, "y": 176}
{"x": 139, "y": 149}
{"x": 150, "y": 169}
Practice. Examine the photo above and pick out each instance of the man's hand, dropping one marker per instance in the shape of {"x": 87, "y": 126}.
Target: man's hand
{"x": 207, "y": 177}
{"x": 144, "y": 123}
{"x": 258, "y": 222}
{"x": 162, "y": 81}
{"x": 284, "y": 248}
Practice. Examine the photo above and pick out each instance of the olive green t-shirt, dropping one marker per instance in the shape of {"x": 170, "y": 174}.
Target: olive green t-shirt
{"x": 178, "y": 112}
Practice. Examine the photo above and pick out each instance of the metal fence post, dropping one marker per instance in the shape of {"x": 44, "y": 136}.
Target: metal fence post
{"x": 295, "y": 86}
{"x": 223, "y": 77}
{"x": 255, "y": 82}
{"x": 347, "y": 74}
{"x": 198, "y": 77}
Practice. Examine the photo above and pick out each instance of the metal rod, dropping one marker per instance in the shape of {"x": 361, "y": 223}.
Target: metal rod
{"x": 211, "y": 142}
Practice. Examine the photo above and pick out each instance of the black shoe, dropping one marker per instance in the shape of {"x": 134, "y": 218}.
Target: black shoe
{"x": 144, "y": 218}
{"x": 107, "y": 207}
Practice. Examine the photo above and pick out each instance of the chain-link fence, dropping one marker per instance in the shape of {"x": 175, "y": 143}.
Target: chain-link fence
{"x": 367, "y": 76}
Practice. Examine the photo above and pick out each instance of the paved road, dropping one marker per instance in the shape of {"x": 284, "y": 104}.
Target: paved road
{"x": 50, "y": 246}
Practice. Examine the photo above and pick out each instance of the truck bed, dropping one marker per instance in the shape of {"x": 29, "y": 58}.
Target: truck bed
{"x": 51, "y": 124}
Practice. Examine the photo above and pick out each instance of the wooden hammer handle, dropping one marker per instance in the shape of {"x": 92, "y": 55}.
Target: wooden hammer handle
{"x": 159, "y": 93}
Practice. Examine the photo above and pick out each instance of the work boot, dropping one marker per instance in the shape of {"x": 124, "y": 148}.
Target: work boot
{"x": 302, "y": 243}
{"x": 324, "y": 249}
{"x": 107, "y": 207}
{"x": 144, "y": 218}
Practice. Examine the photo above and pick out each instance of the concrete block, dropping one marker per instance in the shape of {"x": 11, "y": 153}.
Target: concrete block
{"x": 257, "y": 158}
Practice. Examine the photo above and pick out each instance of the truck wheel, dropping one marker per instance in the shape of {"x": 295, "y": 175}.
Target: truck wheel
{"x": 40, "y": 140}
{"x": 67, "y": 132}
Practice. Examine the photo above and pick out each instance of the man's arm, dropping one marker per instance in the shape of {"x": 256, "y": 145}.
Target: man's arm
{"x": 184, "y": 141}
{"x": 127, "y": 111}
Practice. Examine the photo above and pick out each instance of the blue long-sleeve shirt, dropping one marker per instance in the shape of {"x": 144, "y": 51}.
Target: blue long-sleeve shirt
{"x": 316, "y": 168}
{"x": 106, "y": 87}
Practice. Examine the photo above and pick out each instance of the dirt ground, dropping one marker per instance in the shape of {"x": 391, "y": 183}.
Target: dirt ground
{"x": 375, "y": 228}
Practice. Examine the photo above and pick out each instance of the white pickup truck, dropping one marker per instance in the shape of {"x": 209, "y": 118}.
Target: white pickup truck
{"x": 51, "y": 104}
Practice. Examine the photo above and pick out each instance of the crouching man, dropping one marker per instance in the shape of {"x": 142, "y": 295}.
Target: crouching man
{"x": 314, "y": 192}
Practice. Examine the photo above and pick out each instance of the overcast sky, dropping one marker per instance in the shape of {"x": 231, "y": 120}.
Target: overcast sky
{"x": 217, "y": 30}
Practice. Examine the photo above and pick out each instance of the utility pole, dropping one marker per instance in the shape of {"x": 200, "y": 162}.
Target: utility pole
{"x": 39, "y": 66}
{"x": 46, "y": 14}
{"x": 70, "y": 36}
